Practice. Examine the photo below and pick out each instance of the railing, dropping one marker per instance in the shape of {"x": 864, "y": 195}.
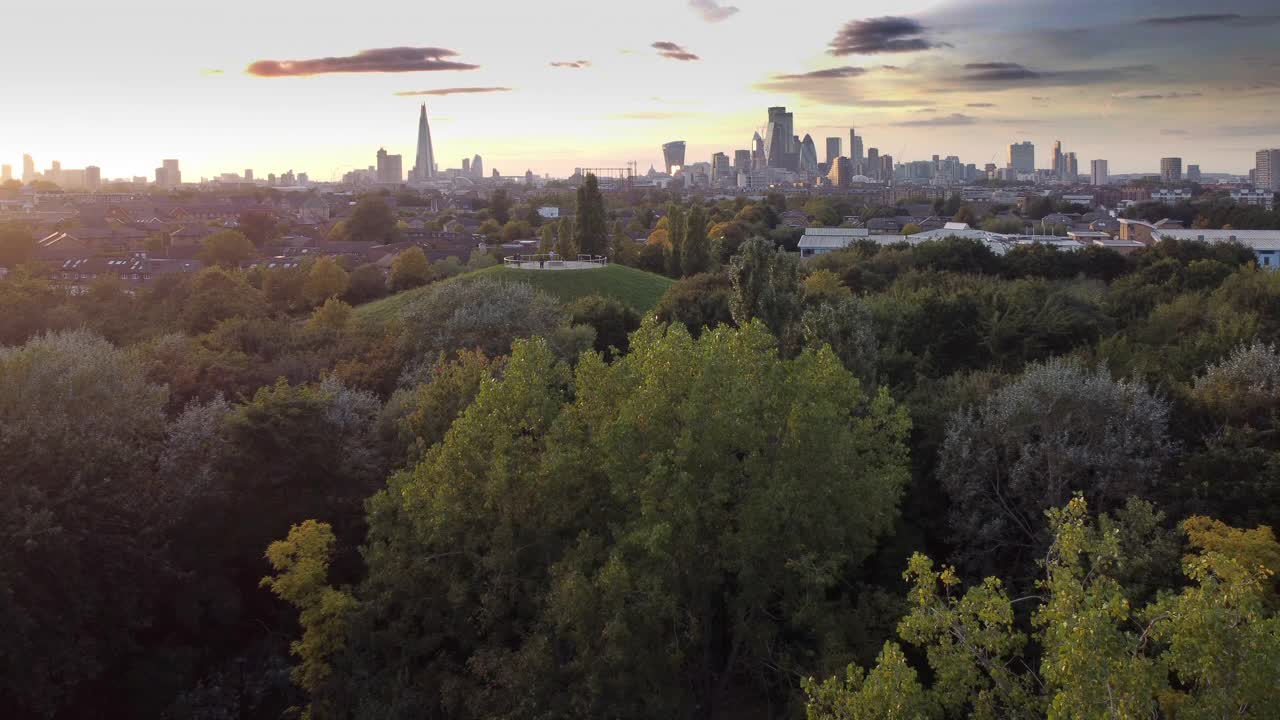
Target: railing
{"x": 552, "y": 260}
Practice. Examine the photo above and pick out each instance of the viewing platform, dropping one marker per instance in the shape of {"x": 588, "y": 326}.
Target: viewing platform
{"x": 555, "y": 262}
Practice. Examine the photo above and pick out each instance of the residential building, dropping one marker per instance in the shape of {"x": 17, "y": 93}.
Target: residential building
{"x": 673, "y": 155}
{"x": 1022, "y": 157}
{"x": 1253, "y": 196}
{"x": 1170, "y": 196}
{"x": 1266, "y": 171}
{"x": 1193, "y": 173}
{"x": 1098, "y": 172}
{"x": 390, "y": 167}
{"x": 1171, "y": 169}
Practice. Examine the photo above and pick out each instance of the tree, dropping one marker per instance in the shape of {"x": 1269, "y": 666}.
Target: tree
{"x": 259, "y": 226}
{"x": 676, "y": 229}
{"x": 565, "y": 245}
{"x": 17, "y": 245}
{"x": 325, "y": 280}
{"x": 227, "y": 248}
{"x": 697, "y": 302}
{"x": 546, "y": 580}
{"x": 483, "y": 314}
{"x": 214, "y": 295}
{"x": 590, "y": 226}
{"x": 410, "y": 269}
{"x": 1202, "y": 651}
{"x": 612, "y": 320}
{"x": 500, "y": 206}
{"x": 79, "y": 517}
{"x": 516, "y": 230}
{"x": 823, "y": 286}
{"x": 846, "y": 326}
{"x": 766, "y": 285}
{"x": 366, "y": 283}
{"x": 546, "y": 240}
{"x": 331, "y": 317}
{"x": 491, "y": 229}
{"x": 1058, "y": 430}
{"x": 695, "y": 252}
{"x": 372, "y": 221}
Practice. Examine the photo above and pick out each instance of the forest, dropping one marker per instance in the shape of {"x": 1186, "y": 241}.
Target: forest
{"x": 892, "y": 481}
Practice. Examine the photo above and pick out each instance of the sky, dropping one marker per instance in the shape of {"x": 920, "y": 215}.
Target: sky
{"x": 551, "y": 85}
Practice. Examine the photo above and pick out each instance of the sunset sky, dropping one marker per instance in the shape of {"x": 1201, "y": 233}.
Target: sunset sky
{"x": 549, "y": 85}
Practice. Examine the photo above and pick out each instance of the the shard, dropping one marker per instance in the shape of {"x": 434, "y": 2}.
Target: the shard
{"x": 425, "y": 165}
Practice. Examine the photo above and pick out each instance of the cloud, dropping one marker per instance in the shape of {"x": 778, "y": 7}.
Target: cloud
{"x": 452, "y": 91}
{"x": 1168, "y": 131}
{"x": 945, "y": 121}
{"x": 673, "y": 51}
{"x": 995, "y": 74}
{"x": 848, "y": 71}
{"x": 1250, "y": 130}
{"x": 1158, "y": 96}
{"x": 211, "y": 71}
{"x": 574, "y": 64}
{"x": 980, "y": 105}
{"x": 713, "y": 11}
{"x": 379, "y": 60}
{"x": 999, "y": 71}
{"x": 880, "y": 35}
{"x": 650, "y": 115}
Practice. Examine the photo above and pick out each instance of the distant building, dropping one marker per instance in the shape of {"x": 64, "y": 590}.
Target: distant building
{"x": 781, "y": 148}
{"x": 1022, "y": 157}
{"x": 1265, "y": 244}
{"x": 1266, "y": 175}
{"x": 833, "y": 149}
{"x": 841, "y": 172}
{"x": 248, "y": 174}
{"x": 1070, "y": 167}
{"x": 92, "y": 177}
{"x": 390, "y": 167}
{"x": 721, "y": 172}
{"x": 1170, "y": 196}
{"x": 1253, "y": 196}
{"x": 742, "y": 161}
{"x": 1098, "y": 173}
{"x": 673, "y": 155}
{"x": 808, "y": 156}
{"x": 28, "y": 169}
{"x": 855, "y": 146}
{"x": 173, "y": 176}
{"x": 466, "y": 166}
{"x": 424, "y": 167}
{"x": 1171, "y": 169}
{"x": 477, "y": 166}
{"x": 1193, "y": 173}
{"x": 6, "y": 173}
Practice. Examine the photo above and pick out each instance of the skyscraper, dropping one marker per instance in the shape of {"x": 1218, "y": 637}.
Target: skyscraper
{"x": 833, "y": 149}
{"x": 1022, "y": 157}
{"x": 1193, "y": 173}
{"x": 425, "y": 163}
{"x": 720, "y": 170}
{"x": 872, "y": 165}
{"x": 673, "y": 155}
{"x": 781, "y": 146}
{"x": 742, "y": 161}
{"x": 390, "y": 167}
{"x": 466, "y": 166}
{"x": 1070, "y": 167}
{"x": 855, "y": 146}
{"x": 1058, "y": 169}
{"x": 92, "y": 177}
{"x": 28, "y": 169}
{"x": 248, "y": 174}
{"x": 1266, "y": 175}
{"x": 1098, "y": 172}
{"x": 808, "y": 155}
{"x": 6, "y": 173}
{"x": 758, "y": 160}
{"x": 477, "y": 167}
{"x": 1171, "y": 169}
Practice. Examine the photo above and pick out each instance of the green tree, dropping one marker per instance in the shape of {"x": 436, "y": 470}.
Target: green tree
{"x": 695, "y": 250}
{"x": 697, "y": 302}
{"x": 227, "y": 248}
{"x": 612, "y": 320}
{"x": 325, "y": 280}
{"x": 410, "y": 269}
{"x": 676, "y": 229}
{"x": 500, "y": 206}
{"x": 766, "y": 286}
{"x": 372, "y": 221}
{"x": 17, "y": 245}
{"x": 259, "y": 226}
{"x": 546, "y": 239}
{"x": 214, "y": 295}
{"x": 367, "y": 283}
{"x": 590, "y": 225}
{"x": 331, "y": 317}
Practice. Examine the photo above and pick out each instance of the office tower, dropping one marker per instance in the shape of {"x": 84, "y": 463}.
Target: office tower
{"x": 1022, "y": 157}
{"x": 855, "y": 147}
{"x": 248, "y": 174}
{"x": 1266, "y": 175}
{"x": 6, "y": 173}
{"x": 1098, "y": 172}
{"x": 833, "y": 149}
{"x": 477, "y": 167}
{"x": 720, "y": 170}
{"x": 172, "y": 175}
{"x": 466, "y": 166}
{"x": 990, "y": 171}
{"x": 390, "y": 167}
{"x": 1057, "y": 169}
{"x": 28, "y": 169}
{"x": 1070, "y": 167}
{"x": 673, "y": 155}
{"x": 742, "y": 161}
{"x": 424, "y": 167}
{"x": 872, "y": 165}
{"x": 303, "y": 179}
{"x": 808, "y": 155}
{"x": 841, "y": 171}
{"x": 758, "y": 159}
{"x": 1193, "y": 173}
{"x": 92, "y": 177}
{"x": 1171, "y": 169}
{"x": 886, "y": 167}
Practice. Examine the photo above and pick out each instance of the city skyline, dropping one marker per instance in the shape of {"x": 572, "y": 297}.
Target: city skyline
{"x": 1109, "y": 80}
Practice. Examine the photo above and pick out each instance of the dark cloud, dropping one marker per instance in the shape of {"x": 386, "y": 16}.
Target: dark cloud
{"x": 1158, "y": 96}
{"x": 673, "y": 51}
{"x": 379, "y": 60}
{"x": 848, "y": 71}
{"x": 881, "y": 35}
{"x": 1192, "y": 19}
{"x": 980, "y": 105}
{"x": 944, "y": 121}
{"x": 453, "y": 91}
{"x": 999, "y": 71}
{"x": 713, "y": 11}
{"x": 574, "y": 64}
{"x": 1174, "y": 132}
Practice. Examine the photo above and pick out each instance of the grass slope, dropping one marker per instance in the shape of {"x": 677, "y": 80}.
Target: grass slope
{"x": 637, "y": 288}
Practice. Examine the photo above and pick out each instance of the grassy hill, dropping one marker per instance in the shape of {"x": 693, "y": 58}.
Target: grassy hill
{"x": 637, "y": 288}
